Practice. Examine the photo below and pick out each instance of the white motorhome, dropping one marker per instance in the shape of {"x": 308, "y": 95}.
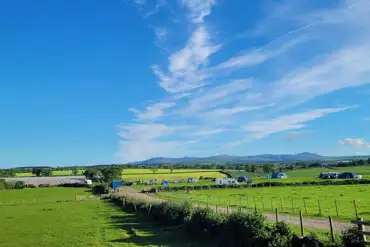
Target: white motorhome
{"x": 220, "y": 181}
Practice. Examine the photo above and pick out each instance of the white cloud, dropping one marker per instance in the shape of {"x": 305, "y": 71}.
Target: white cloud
{"x": 261, "y": 129}
{"x": 317, "y": 52}
{"x": 208, "y": 132}
{"x": 160, "y": 33}
{"x": 183, "y": 74}
{"x": 292, "y": 135}
{"x": 198, "y": 9}
{"x": 355, "y": 142}
{"x": 152, "y": 112}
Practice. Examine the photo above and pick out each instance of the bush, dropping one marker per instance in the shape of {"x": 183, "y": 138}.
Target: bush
{"x": 19, "y": 185}
{"x": 353, "y": 238}
{"x": 205, "y": 223}
{"x": 100, "y": 189}
{"x": 245, "y": 229}
{"x": 309, "y": 241}
{"x": 43, "y": 185}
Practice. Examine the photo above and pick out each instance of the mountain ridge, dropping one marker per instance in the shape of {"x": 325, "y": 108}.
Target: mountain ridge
{"x": 224, "y": 158}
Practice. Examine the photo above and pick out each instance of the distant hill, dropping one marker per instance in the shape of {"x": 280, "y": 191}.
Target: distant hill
{"x": 234, "y": 159}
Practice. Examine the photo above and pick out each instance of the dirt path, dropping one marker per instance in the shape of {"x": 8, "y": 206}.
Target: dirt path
{"x": 310, "y": 223}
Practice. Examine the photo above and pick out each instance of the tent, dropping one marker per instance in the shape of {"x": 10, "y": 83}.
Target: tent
{"x": 279, "y": 175}
{"x": 116, "y": 184}
{"x": 242, "y": 179}
{"x": 164, "y": 182}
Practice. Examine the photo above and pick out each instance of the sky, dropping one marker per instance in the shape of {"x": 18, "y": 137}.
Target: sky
{"x": 100, "y": 82}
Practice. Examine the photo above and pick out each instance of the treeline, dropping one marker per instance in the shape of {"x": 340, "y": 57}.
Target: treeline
{"x": 238, "y": 229}
{"x": 258, "y": 185}
{"x": 17, "y": 185}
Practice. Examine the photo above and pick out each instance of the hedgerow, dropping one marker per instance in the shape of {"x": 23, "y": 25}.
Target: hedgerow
{"x": 259, "y": 185}
{"x": 239, "y": 229}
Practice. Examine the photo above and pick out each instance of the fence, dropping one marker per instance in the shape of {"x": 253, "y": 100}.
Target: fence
{"x": 361, "y": 226}
{"x": 341, "y": 209}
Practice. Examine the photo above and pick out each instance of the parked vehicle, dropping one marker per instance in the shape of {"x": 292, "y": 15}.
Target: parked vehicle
{"x": 349, "y": 175}
{"x": 329, "y": 175}
{"x": 220, "y": 181}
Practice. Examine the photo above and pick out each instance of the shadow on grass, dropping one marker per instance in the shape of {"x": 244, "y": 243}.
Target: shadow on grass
{"x": 140, "y": 230}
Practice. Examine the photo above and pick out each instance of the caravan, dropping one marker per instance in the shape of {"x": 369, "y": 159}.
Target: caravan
{"x": 221, "y": 181}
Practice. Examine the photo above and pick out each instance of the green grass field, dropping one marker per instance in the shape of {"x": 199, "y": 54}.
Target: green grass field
{"x": 54, "y": 173}
{"x": 312, "y": 174}
{"x": 77, "y": 223}
{"x": 287, "y": 198}
{"x": 52, "y": 194}
{"x": 165, "y": 174}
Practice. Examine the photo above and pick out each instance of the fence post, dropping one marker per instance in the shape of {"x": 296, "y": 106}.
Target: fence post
{"x": 216, "y": 208}
{"x": 361, "y": 228}
{"x": 272, "y": 205}
{"x": 355, "y": 205}
{"x": 248, "y": 202}
{"x": 282, "y": 205}
{"x": 34, "y": 200}
{"x": 336, "y": 207}
{"x": 301, "y": 222}
{"x": 293, "y": 206}
{"x": 227, "y": 209}
{"x": 305, "y": 206}
{"x": 263, "y": 203}
{"x": 318, "y": 203}
{"x": 277, "y": 215}
{"x": 255, "y": 205}
{"x": 331, "y": 230}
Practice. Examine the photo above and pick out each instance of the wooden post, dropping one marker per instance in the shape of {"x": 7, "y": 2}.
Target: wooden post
{"x": 34, "y": 200}
{"x": 355, "y": 206}
{"x": 216, "y": 208}
{"x": 293, "y": 206}
{"x": 150, "y": 207}
{"x": 331, "y": 230}
{"x": 277, "y": 215}
{"x": 305, "y": 206}
{"x": 255, "y": 205}
{"x": 301, "y": 222}
{"x": 263, "y": 203}
{"x": 240, "y": 200}
{"x": 272, "y": 205}
{"x": 336, "y": 207}
{"x": 282, "y": 205}
{"x": 227, "y": 209}
{"x": 361, "y": 228}
{"x": 248, "y": 202}
{"x": 318, "y": 203}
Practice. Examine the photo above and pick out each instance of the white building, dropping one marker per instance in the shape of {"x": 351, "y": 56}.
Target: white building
{"x": 220, "y": 181}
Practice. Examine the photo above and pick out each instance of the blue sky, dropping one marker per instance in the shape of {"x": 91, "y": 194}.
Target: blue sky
{"x": 89, "y": 82}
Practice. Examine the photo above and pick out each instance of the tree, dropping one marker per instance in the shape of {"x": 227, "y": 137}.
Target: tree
{"x": 46, "y": 172}
{"x": 268, "y": 168}
{"x": 171, "y": 169}
{"x": 248, "y": 168}
{"x": 154, "y": 170}
{"x": 91, "y": 173}
{"x": 74, "y": 172}
{"x": 368, "y": 161}
{"x": 37, "y": 171}
{"x": 111, "y": 173}
{"x": 253, "y": 168}
{"x": 360, "y": 162}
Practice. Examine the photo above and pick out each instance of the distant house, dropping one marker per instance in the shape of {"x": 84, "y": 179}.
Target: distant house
{"x": 279, "y": 175}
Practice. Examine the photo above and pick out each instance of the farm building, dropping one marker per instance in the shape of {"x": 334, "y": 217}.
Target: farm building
{"x": 279, "y": 175}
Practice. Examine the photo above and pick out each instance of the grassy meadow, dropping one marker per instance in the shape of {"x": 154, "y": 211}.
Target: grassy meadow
{"x": 166, "y": 174}
{"x": 287, "y": 199}
{"x": 54, "y": 173}
{"x": 77, "y": 223}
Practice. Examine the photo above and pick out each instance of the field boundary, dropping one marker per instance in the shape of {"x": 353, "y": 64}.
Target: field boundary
{"x": 338, "y": 226}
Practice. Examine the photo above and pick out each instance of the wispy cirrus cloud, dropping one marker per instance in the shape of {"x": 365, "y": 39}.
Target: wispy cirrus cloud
{"x": 306, "y": 52}
{"x": 354, "y": 142}
{"x": 261, "y": 129}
